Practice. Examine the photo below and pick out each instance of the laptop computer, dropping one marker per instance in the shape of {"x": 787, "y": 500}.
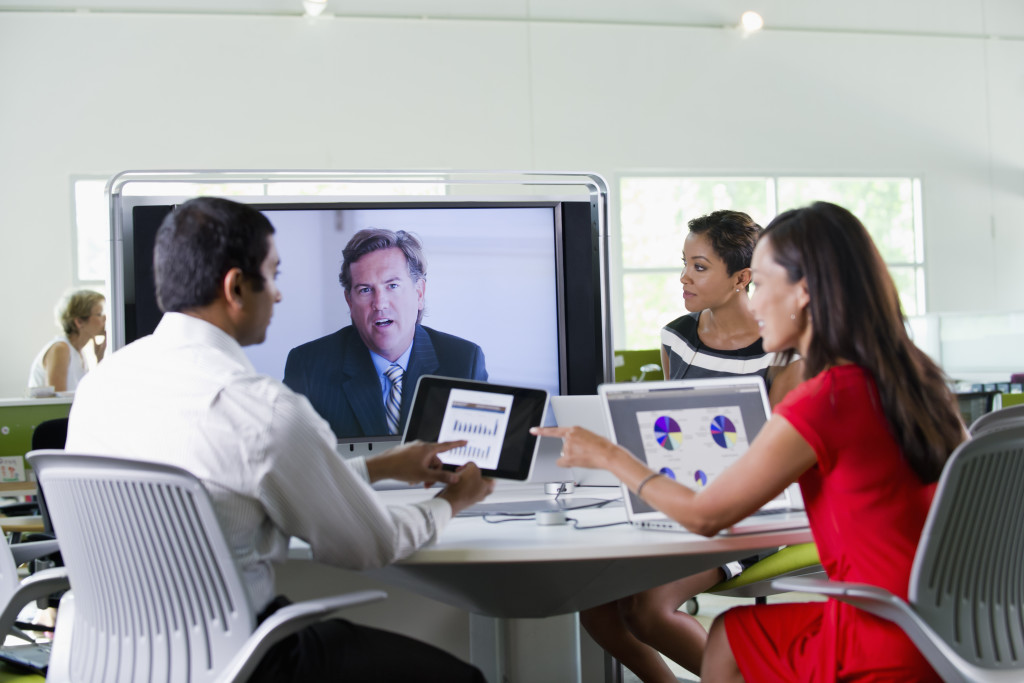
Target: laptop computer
{"x": 33, "y": 657}
{"x": 587, "y": 412}
{"x": 691, "y": 430}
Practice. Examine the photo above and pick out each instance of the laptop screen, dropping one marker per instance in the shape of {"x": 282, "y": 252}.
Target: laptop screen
{"x": 690, "y": 430}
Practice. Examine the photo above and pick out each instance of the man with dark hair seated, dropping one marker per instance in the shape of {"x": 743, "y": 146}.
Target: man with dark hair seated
{"x": 188, "y": 396}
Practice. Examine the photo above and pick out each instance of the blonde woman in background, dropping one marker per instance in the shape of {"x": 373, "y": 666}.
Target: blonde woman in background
{"x": 60, "y": 363}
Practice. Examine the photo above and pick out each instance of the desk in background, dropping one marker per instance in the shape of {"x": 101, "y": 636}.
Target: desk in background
{"x": 1007, "y": 400}
{"x": 27, "y": 524}
{"x": 19, "y": 417}
{"x": 18, "y": 421}
{"x": 523, "y": 584}
{"x": 974, "y": 404}
{"x": 20, "y": 524}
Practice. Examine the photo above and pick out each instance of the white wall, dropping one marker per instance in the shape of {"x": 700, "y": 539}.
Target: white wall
{"x": 85, "y": 94}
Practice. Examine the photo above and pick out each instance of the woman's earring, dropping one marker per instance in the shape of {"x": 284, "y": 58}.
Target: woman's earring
{"x": 792, "y": 316}
{"x": 737, "y": 291}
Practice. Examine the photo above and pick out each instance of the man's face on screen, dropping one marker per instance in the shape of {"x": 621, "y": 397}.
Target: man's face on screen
{"x": 384, "y": 301}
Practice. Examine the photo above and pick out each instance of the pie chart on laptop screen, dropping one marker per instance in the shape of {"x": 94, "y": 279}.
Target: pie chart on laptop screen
{"x": 667, "y": 432}
{"x": 723, "y": 431}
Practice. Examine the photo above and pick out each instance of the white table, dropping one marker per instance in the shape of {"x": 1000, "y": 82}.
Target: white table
{"x": 523, "y": 584}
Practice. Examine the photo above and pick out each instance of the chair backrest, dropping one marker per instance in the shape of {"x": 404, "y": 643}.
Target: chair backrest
{"x": 628, "y": 365}
{"x": 49, "y": 434}
{"x": 967, "y": 582}
{"x": 9, "y": 582}
{"x": 998, "y": 419}
{"x": 157, "y": 594}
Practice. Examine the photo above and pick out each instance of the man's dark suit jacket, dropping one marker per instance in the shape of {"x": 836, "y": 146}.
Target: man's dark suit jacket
{"x": 337, "y": 375}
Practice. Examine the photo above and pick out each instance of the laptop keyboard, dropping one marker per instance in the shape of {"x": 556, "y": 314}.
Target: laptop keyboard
{"x": 34, "y": 657}
{"x": 774, "y": 511}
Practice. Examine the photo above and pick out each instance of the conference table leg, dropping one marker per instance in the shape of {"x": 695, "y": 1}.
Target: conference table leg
{"x": 535, "y": 650}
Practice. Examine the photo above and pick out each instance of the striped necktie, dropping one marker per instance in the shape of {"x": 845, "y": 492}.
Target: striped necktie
{"x": 393, "y": 406}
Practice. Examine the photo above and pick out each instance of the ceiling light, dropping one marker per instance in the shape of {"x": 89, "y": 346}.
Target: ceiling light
{"x": 314, "y": 8}
{"x": 751, "y": 21}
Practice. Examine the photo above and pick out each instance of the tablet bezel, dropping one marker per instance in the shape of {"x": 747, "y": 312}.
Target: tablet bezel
{"x": 528, "y": 409}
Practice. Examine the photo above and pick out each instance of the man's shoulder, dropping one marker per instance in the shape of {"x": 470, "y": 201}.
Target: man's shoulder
{"x": 330, "y": 343}
{"x": 128, "y": 359}
{"x": 449, "y": 341}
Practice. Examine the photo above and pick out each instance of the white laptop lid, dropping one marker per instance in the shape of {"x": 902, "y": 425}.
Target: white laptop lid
{"x": 587, "y": 412}
{"x": 690, "y": 430}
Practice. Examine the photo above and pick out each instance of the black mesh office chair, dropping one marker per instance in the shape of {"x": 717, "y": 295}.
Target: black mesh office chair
{"x": 49, "y": 434}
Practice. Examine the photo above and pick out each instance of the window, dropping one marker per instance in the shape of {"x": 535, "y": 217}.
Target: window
{"x": 654, "y": 212}
{"x": 91, "y": 243}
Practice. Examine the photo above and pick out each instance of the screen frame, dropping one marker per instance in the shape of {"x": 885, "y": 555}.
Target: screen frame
{"x": 584, "y": 332}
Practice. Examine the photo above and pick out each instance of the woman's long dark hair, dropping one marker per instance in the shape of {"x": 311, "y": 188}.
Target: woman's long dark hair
{"x": 856, "y": 316}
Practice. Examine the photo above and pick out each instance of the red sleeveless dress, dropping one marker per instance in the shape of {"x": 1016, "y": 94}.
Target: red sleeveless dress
{"x": 867, "y": 508}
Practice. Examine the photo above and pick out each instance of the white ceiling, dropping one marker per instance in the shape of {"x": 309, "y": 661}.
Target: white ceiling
{"x": 997, "y": 18}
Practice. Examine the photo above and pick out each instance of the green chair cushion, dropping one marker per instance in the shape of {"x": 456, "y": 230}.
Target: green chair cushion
{"x": 11, "y": 674}
{"x": 788, "y": 559}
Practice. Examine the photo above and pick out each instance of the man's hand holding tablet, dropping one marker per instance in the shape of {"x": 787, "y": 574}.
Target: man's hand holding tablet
{"x": 492, "y": 422}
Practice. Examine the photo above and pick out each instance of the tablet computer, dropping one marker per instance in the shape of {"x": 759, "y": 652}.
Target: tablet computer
{"x": 493, "y": 418}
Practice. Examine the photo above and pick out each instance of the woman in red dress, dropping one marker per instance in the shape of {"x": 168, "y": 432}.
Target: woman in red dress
{"x": 866, "y": 435}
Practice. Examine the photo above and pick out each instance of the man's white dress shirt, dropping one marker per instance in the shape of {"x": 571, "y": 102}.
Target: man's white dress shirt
{"x": 187, "y": 395}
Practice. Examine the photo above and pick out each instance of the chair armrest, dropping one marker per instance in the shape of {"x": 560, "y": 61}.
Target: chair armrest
{"x": 836, "y": 589}
{"x": 55, "y": 579}
{"x": 285, "y": 622}
{"x": 24, "y": 552}
{"x": 35, "y": 586}
{"x": 884, "y": 604}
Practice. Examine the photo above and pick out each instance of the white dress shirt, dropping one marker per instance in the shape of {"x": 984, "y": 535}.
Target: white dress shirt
{"x": 187, "y": 395}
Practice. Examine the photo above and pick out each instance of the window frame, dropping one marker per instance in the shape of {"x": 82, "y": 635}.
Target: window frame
{"x": 77, "y": 280}
{"x": 298, "y": 188}
{"x": 619, "y": 271}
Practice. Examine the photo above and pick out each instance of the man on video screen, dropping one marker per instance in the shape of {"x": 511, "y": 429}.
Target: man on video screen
{"x": 362, "y": 377}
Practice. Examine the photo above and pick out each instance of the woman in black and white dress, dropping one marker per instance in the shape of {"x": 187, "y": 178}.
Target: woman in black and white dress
{"x": 717, "y": 337}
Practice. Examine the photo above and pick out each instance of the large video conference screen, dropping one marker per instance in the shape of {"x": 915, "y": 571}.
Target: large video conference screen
{"x": 489, "y": 279}
{"x": 518, "y": 279}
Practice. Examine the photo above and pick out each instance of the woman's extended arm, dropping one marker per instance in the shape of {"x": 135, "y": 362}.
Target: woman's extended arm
{"x": 776, "y": 458}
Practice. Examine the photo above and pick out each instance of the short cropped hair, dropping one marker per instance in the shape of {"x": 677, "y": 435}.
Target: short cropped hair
{"x": 199, "y": 242}
{"x": 76, "y": 305}
{"x": 733, "y": 235}
{"x": 373, "y": 239}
